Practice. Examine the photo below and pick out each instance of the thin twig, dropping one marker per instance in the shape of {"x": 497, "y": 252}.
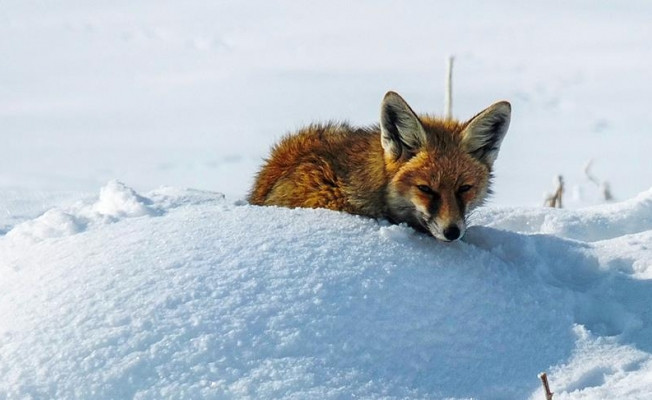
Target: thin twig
{"x": 546, "y": 386}
{"x": 554, "y": 200}
{"x": 448, "y": 100}
{"x": 602, "y": 185}
{"x": 587, "y": 172}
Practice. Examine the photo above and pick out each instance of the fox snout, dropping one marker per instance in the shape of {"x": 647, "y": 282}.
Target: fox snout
{"x": 447, "y": 232}
{"x": 440, "y": 211}
{"x": 452, "y": 232}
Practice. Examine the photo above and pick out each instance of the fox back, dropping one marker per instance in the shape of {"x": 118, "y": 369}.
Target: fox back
{"x": 420, "y": 170}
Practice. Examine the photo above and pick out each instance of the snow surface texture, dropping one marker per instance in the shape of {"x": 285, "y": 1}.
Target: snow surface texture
{"x": 183, "y": 294}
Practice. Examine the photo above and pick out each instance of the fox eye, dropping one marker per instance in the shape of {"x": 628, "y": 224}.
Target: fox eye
{"x": 464, "y": 188}
{"x": 425, "y": 189}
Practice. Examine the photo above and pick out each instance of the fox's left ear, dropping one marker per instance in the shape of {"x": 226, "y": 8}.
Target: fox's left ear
{"x": 484, "y": 133}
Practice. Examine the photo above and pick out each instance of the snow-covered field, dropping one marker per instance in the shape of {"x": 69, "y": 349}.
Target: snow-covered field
{"x": 170, "y": 286}
{"x": 184, "y": 294}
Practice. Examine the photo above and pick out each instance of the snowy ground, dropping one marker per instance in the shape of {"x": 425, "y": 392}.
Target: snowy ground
{"x": 188, "y": 293}
{"x": 182, "y": 294}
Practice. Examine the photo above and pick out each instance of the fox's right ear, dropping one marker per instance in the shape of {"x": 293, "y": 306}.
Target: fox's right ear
{"x": 401, "y": 132}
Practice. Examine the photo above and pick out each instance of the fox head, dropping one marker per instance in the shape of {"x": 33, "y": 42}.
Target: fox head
{"x": 439, "y": 169}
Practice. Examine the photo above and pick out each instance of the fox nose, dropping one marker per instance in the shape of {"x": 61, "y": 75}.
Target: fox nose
{"x": 452, "y": 233}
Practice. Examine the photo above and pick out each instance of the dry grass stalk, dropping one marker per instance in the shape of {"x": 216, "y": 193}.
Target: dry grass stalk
{"x": 603, "y": 185}
{"x": 448, "y": 99}
{"x": 555, "y": 199}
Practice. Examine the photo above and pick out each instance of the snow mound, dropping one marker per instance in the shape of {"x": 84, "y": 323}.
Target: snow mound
{"x": 116, "y": 202}
{"x": 119, "y": 201}
{"x": 183, "y": 294}
{"x": 589, "y": 224}
{"x": 18, "y": 205}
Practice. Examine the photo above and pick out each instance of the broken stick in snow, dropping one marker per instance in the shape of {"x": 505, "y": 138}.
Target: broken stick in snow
{"x": 554, "y": 200}
{"x": 546, "y": 386}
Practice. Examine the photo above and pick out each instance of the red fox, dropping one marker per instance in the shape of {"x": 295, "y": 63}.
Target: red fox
{"x": 420, "y": 170}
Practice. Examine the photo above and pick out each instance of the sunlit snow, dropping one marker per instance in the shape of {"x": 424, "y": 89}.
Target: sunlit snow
{"x": 132, "y": 267}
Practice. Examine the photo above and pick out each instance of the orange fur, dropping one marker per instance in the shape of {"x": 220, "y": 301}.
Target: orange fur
{"x": 343, "y": 168}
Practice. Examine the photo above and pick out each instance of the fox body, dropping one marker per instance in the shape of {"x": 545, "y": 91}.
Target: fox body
{"x": 424, "y": 171}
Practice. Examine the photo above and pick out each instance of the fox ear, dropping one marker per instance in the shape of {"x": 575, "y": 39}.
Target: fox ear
{"x": 401, "y": 132}
{"x": 484, "y": 133}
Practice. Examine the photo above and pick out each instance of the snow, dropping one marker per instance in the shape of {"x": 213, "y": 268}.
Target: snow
{"x": 182, "y": 293}
{"x": 164, "y": 283}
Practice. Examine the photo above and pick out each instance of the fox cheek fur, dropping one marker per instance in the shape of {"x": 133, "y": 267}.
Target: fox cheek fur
{"x": 420, "y": 170}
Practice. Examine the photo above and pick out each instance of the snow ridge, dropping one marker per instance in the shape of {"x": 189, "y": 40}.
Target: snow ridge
{"x": 116, "y": 202}
{"x": 589, "y": 225}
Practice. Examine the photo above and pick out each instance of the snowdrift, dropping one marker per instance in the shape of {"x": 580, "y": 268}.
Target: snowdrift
{"x": 184, "y": 294}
